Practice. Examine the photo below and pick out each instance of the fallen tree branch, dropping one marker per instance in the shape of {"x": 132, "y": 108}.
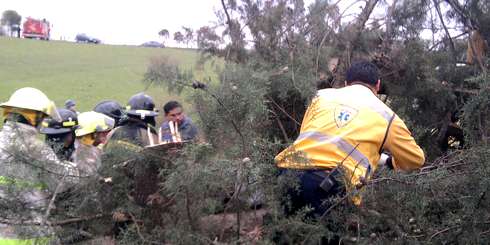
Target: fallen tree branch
{"x": 57, "y": 222}
{"x": 443, "y": 231}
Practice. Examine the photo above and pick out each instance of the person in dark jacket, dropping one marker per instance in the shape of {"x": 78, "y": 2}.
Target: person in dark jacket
{"x": 126, "y": 144}
{"x": 112, "y": 109}
{"x": 176, "y": 119}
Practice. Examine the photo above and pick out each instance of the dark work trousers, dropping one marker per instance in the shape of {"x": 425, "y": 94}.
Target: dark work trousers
{"x": 317, "y": 189}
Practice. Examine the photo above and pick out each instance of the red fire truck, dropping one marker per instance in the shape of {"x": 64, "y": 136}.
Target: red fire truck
{"x": 34, "y": 28}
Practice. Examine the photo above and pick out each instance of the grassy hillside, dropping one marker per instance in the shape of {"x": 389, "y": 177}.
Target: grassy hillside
{"x": 83, "y": 72}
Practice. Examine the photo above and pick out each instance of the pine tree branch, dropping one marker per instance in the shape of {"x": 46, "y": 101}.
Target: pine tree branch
{"x": 283, "y": 110}
{"x": 53, "y": 198}
{"x": 442, "y": 231}
{"x": 53, "y": 223}
{"x": 138, "y": 230}
{"x": 451, "y": 43}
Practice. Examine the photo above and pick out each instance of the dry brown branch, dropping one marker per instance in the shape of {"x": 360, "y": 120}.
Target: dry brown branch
{"x": 138, "y": 230}
{"x": 54, "y": 223}
{"x": 359, "y": 26}
{"x": 385, "y": 179}
{"x": 51, "y": 202}
{"x": 283, "y": 131}
{"x": 329, "y": 32}
{"x": 283, "y": 110}
{"x": 448, "y": 35}
{"x": 442, "y": 231}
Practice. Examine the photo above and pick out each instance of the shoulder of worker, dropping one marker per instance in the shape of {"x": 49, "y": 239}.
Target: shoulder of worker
{"x": 356, "y": 96}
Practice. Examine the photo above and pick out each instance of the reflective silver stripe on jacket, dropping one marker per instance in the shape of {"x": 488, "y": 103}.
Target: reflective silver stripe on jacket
{"x": 341, "y": 144}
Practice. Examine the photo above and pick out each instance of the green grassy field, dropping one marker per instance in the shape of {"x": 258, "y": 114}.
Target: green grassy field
{"x": 84, "y": 72}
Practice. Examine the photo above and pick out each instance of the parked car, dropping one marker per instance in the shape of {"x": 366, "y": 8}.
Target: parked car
{"x": 84, "y": 38}
{"x": 153, "y": 44}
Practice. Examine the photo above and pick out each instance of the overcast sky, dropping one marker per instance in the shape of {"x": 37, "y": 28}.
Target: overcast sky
{"x": 113, "y": 21}
{"x": 128, "y": 21}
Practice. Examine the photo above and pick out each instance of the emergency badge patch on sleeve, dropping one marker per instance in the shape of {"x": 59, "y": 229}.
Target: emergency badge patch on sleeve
{"x": 343, "y": 115}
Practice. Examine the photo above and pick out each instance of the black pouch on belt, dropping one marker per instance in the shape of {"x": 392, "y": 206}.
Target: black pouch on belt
{"x": 327, "y": 184}
{"x": 328, "y": 181}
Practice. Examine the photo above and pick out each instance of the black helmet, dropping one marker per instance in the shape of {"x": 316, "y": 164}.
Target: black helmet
{"x": 110, "y": 108}
{"x": 141, "y": 105}
{"x": 67, "y": 124}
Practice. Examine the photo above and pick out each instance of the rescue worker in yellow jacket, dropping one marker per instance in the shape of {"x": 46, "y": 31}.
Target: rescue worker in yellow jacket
{"x": 29, "y": 169}
{"x": 342, "y": 137}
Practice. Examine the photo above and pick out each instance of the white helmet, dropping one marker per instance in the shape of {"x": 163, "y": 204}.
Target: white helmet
{"x": 32, "y": 99}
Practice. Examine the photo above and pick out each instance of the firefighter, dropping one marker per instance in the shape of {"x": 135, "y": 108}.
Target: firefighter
{"x": 112, "y": 109}
{"x": 139, "y": 128}
{"x": 22, "y": 153}
{"x": 343, "y": 134}
{"x": 61, "y": 135}
{"x": 126, "y": 144}
{"x": 92, "y": 131}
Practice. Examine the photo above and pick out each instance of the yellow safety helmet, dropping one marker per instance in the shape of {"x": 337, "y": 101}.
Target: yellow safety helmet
{"x": 92, "y": 122}
{"x": 31, "y": 99}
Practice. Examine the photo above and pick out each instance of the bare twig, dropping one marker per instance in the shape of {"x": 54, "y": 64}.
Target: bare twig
{"x": 451, "y": 43}
{"x": 284, "y": 134}
{"x": 359, "y": 26}
{"x": 328, "y": 33}
{"x": 440, "y": 41}
{"x": 54, "y": 223}
{"x": 443, "y": 231}
{"x": 283, "y": 110}
{"x": 51, "y": 202}
{"x": 380, "y": 180}
{"x": 188, "y": 210}
{"x": 484, "y": 232}
{"x": 138, "y": 230}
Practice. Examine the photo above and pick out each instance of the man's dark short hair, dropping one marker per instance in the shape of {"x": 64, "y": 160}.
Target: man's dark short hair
{"x": 170, "y": 106}
{"x": 363, "y": 71}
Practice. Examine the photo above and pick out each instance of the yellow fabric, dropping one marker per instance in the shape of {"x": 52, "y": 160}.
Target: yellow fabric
{"x": 345, "y": 127}
{"x": 32, "y": 99}
{"x": 91, "y": 122}
{"x": 88, "y": 139}
{"x": 29, "y": 115}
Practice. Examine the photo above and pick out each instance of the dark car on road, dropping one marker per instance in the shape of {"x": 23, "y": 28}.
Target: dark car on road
{"x": 84, "y": 38}
{"x": 152, "y": 44}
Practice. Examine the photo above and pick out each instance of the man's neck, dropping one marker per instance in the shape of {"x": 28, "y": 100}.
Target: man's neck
{"x": 365, "y": 85}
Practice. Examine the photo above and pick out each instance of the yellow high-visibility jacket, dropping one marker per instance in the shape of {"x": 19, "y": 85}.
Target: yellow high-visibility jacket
{"x": 348, "y": 127}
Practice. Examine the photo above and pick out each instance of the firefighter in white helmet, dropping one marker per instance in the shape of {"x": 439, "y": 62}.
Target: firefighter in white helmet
{"x": 92, "y": 131}
{"x": 29, "y": 169}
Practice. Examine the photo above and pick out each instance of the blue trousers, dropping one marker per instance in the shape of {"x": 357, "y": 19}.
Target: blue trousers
{"x": 313, "y": 191}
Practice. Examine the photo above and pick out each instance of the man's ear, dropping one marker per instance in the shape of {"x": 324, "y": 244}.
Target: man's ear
{"x": 378, "y": 85}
